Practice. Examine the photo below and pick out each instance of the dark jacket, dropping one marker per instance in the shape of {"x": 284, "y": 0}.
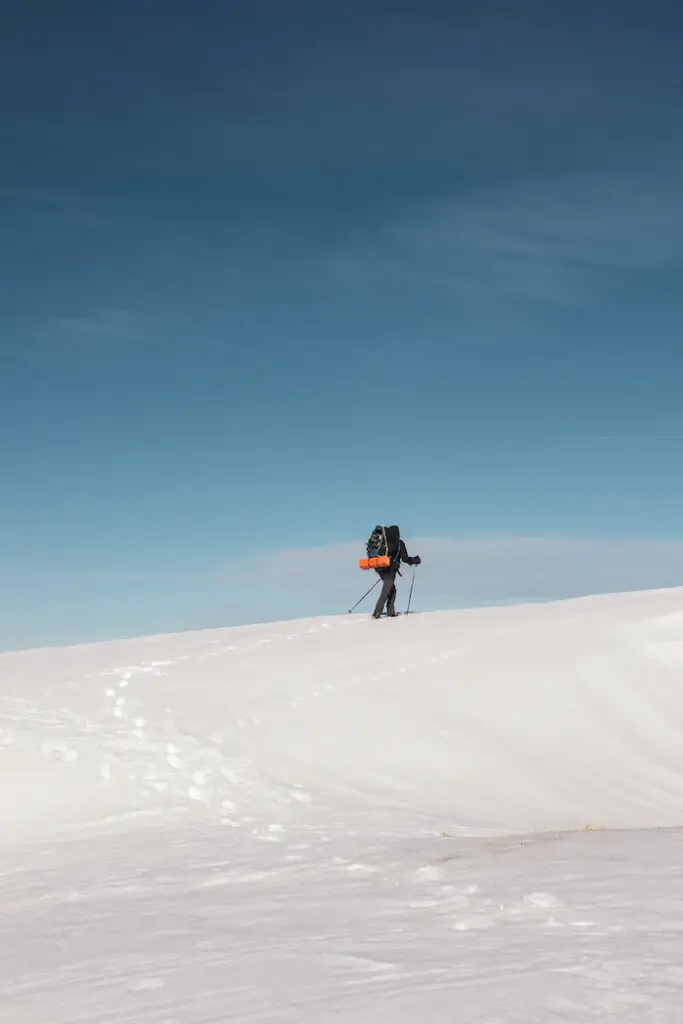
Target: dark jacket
{"x": 401, "y": 557}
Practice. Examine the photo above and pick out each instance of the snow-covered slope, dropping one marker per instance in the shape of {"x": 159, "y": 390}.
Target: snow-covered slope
{"x": 321, "y": 820}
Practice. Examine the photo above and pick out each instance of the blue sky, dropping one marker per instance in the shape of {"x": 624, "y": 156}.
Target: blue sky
{"x": 272, "y": 273}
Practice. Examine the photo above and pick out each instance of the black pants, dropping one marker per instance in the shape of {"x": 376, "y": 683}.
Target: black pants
{"x": 388, "y": 592}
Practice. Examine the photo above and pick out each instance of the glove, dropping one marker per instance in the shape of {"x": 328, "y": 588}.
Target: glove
{"x": 416, "y": 561}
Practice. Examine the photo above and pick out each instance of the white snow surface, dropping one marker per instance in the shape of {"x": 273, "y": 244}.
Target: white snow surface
{"x": 470, "y": 816}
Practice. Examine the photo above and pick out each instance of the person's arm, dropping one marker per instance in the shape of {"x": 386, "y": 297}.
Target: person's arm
{"x": 405, "y": 557}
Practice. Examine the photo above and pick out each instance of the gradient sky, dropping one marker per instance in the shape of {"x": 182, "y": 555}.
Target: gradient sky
{"x": 273, "y": 272}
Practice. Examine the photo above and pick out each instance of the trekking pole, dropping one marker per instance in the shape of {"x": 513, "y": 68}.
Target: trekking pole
{"x": 410, "y": 595}
{"x": 365, "y": 594}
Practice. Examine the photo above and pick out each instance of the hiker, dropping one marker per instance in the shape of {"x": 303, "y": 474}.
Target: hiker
{"x": 387, "y": 539}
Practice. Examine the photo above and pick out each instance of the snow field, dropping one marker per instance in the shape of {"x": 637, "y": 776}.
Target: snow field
{"x": 347, "y": 820}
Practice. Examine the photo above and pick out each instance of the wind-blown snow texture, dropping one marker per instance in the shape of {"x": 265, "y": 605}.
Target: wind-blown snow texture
{"x": 466, "y": 816}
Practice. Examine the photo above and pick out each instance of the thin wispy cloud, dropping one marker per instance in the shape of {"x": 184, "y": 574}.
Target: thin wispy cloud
{"x": 105, "y": 335}
{"x": 103, "y": 323}
{"x": 549, "y": 239}
{"x": 43, "y": 212}
{"x": 67, "y": 200}
{"x": 469, "y": 571}
{"x": 642, "y": 437}
{"x": 97, "y": 333}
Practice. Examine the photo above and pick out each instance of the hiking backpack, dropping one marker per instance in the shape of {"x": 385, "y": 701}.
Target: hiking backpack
{"x": 382, "y": 548}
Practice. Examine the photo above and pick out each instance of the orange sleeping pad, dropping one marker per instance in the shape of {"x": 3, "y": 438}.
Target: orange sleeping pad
{"x": 380, "y": 562}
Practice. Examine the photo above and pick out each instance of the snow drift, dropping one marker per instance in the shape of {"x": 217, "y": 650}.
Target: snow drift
{"x": 534, "y": 717}
{"x": 342, "y": 819}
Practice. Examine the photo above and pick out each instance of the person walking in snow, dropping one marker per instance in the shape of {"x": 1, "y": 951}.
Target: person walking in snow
{"x": 389, "y": 539}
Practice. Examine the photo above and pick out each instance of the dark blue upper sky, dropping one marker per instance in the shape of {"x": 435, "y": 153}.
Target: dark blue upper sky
{"x": 274, "y": 272}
